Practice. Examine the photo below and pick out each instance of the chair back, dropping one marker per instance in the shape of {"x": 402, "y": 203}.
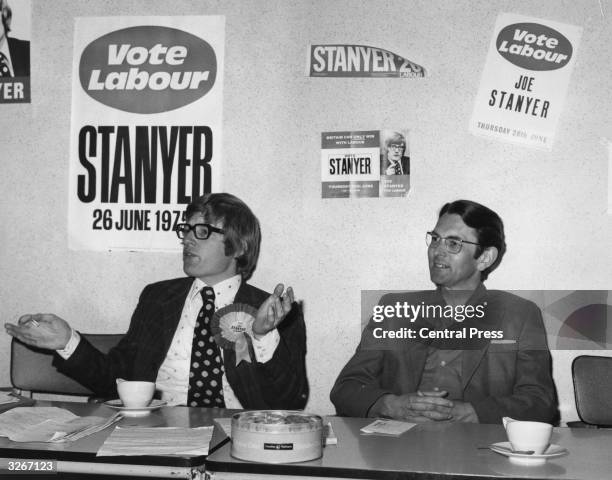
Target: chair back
{"x": 592, "y": 377}
{"x": 32, "y": 369}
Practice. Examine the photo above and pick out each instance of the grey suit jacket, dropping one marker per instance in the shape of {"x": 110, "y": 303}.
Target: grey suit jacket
{"x": 499, "y": 378}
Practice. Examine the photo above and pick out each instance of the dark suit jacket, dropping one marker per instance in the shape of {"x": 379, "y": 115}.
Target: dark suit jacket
{"x": 499, "y": 378}
{"x": 20, "y": 56}
{"x": 279, "y": 383}
{"x": 404, "y": 161}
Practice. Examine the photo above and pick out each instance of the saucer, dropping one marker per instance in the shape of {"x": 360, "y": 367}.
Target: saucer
{"x": 134, "y": 412}
{"x": 523, "y": 459}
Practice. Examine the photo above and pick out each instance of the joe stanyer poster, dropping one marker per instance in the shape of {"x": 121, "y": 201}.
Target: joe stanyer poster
{"x": 146, "y": 127}
{"x": 525, "y": 79}
{"x": 369, "y": 163}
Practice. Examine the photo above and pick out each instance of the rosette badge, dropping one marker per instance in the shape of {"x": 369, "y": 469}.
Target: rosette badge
{"x": 147, "y": 69}
{"x": 232, "y": 327}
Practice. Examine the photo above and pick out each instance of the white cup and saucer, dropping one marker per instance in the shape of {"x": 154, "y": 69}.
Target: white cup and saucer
{"x": 529, "y": 442}
{"x": 135, "y": 398}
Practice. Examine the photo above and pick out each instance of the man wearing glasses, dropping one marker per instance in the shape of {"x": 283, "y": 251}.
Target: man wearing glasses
{"x": 453, "y": 367}
{"x": 252, "y": 356}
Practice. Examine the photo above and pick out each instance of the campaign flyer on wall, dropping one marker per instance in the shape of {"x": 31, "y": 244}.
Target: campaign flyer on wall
{"x": 145, "y": 131}
{"x": 525, "y": 80}
{"x": 343, "y": 60}
{"x": 358, "y": 164}
{"x": 15, "y": 34}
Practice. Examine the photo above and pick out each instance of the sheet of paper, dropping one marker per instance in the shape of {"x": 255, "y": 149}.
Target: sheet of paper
{"x": 157, "y": 441}
{"x": 384, "y": 426}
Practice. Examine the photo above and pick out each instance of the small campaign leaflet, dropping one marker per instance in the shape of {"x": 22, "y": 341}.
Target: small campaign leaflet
{"x": 357, "y": 164}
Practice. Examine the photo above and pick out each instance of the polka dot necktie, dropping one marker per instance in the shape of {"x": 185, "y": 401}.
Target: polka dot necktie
{"x": 398, "y": 169}
{"x": 4, "y": 69}
{"x": 205, "y": 376}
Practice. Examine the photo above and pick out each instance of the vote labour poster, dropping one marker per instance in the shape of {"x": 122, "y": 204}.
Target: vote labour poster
{"x": 146, "y": 127}
{"x": 373, "y": 163}
{"x": 359, "y": 61}
{"x": 525, "y": 80}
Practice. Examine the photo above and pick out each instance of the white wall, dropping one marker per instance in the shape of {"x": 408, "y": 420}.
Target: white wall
{"x": 553, "y": 204}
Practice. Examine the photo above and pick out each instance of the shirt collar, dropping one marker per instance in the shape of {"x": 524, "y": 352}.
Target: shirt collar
{"x": 225, "y": 291}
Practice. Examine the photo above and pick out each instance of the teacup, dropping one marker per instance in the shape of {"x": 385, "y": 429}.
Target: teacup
{"x": 135, "y": 394}
{"x": 523, "y": 435}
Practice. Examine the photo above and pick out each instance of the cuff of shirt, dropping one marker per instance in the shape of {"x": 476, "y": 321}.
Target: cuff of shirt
{"x": 71, "y": 346}
{"x": 266, "y": 345}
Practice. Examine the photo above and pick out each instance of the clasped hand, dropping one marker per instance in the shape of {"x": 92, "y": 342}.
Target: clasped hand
{"x": 424, "y": 407}
{"x": 417, "y": 407}
{"x": 273, "y": 310}
{"x": 43, "y": 330}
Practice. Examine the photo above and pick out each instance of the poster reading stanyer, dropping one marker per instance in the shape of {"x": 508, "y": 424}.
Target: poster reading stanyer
{"x": 145, "y": 133}
{"x": 525, "y": 80}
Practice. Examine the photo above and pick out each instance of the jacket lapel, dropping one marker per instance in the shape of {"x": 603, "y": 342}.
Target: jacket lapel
{"x": 245, "y": 295}
{"x": 172, "y": 308}
{"x": 491, "y": 321}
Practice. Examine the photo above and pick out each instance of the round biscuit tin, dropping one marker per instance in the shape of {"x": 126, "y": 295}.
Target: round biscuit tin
{"x": 276, "y": 436}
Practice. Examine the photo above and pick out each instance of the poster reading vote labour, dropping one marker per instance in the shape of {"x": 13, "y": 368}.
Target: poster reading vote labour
{"x": 356, "y": 164}
{"x": 525, "y": 80}
{"x": 146, "y": 127}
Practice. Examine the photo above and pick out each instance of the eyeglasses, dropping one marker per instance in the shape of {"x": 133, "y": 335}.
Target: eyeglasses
{"x": 453, "y": 245}
{"x": 201, "y": 231}
{"x": 396, "y": 146}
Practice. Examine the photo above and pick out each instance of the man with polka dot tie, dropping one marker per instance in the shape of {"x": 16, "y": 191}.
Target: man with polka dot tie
{"x": 169, "y": 339}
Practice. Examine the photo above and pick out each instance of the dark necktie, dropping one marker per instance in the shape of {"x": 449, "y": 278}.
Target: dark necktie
{"x": 4, "y": 69}
{"x": 398, "y": 168}
{"x": 205, "y": 376}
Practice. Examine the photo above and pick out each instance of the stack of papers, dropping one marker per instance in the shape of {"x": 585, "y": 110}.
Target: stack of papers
{"x": 49, "y": 424}
{"x": 384, "y": 426}
{"x": 157, "y": 441}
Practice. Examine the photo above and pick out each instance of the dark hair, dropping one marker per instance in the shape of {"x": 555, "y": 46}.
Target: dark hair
{"x": 488, "y": 225}
{"x": 242, "y": 232}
